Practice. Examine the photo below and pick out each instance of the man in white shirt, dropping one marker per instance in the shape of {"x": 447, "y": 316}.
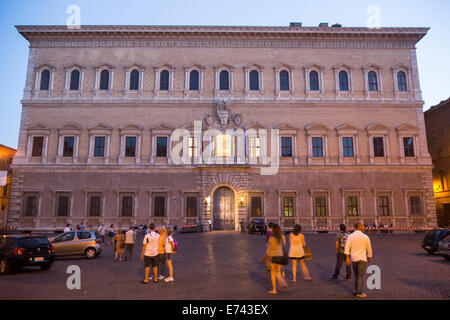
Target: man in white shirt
{"x": 150, "y": 254}
{"x": 67, "y": 228}
{"x": 359, "y": 251}
{"x": 129, "y": 243}
{"x": 102, "y": 231}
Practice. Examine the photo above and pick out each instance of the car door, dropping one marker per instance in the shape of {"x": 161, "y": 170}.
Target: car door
{"x": 63, "y": 244}
{"x": 83, "y": 240}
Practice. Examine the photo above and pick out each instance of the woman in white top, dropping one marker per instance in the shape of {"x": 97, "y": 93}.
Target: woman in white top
{"x": 297, "y": 253}
{"x": 169, "y": 252}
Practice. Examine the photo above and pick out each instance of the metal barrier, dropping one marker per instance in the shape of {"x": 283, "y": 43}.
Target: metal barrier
{"x": 188, "y": 228}
{"x": 388, "y": 229}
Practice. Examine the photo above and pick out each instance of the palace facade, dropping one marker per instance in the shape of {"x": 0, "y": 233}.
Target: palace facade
{"x": 184, "y": 124}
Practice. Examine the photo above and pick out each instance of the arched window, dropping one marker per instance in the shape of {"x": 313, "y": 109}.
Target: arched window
{"x": 313, "y": 80}
{"x": 194, "y": 80}
{"x": 254, "y": 80}
{"x": 373, "y": 83}
{"x": 401, "y": 80}
{"x": 284, "y": 80}
{"x": 45, "y": 80}
{"x": 74, "y": 80}
{"x": 224, "y": 80}
{"x": 104, "y": 80}
{"x": 164, "y": 80}
{"x": 134, "y": 80}
{"x": 343, "y": 81}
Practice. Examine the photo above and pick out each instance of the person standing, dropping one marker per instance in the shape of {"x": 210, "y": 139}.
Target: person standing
{"x": 119, "y": 240}
{"x": 341, "y": 241}
{"x": 162, "y": 252}
{"x": 102, "y": 231}
{"x": 67, "y": 228}
{"x": 297, "y": 253}
{"x": 359, "y": 251}
{"x": 111, "y": 234}
{"x": 170, "y": 245}
{"x": 242, "y": 223}
{"x": 130, "y": 237}
{"x": 275, "y": 254}
{"x": 82, "y": 226}
{"x": 150, "y": 254}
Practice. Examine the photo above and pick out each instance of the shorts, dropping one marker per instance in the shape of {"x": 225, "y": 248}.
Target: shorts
{"x": 151, "y": 260}
{"x": 169, "y": 256}
{"x": 297, "y": 258}
{"x": 279, "y": 260}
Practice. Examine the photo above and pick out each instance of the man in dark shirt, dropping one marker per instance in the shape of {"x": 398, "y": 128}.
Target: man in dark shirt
{"x": 341, "y": 238}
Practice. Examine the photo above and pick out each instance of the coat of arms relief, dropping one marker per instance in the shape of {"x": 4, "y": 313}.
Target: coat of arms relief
{"x": 224, "y": 115}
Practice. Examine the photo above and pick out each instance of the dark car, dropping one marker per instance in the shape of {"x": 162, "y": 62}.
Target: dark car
{"x": 432, "y": 238}
{"x": 257, "y": 225}
{"x": 444, "y": 248}
{"x": 17, "y": 251}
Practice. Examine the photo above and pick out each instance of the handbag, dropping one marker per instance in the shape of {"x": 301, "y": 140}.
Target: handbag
{"x": 308, "y": 254}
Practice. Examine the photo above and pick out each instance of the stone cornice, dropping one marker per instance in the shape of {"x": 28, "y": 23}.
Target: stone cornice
{"x": 221, "y": 36}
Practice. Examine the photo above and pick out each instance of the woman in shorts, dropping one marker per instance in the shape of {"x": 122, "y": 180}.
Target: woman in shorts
{"x": 297, "y": 253}
{"x": 170, "y": 244}
{"x": 275, "y": 251}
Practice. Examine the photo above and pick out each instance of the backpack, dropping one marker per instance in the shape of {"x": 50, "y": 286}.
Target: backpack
{"x": 344, "y": 240}
{"x": 175, "y": 245}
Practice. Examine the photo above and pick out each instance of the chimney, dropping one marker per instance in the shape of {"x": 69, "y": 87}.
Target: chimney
{"x": 323, "y": 25}
{"x": 337, "y": 25}
{"x": 295, "y": 24}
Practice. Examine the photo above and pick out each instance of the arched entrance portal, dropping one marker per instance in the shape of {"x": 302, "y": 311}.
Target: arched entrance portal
{"x": 224, "y": 207}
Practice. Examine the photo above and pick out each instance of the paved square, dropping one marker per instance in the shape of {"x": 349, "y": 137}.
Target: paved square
{"x": 226, "y": 265}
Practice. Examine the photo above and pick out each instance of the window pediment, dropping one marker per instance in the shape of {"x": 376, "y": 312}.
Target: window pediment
{"x": 162, "y": 66}
{"x": 283, "y": 65}
{"x": 346, "y": 129}
{"x": 285, "y": 127}
{"x": 71, "y": 126}
{"x": 400, "y": 66}
{"x": 313, "y": 66}
{"x": 194, "y": 66}
{"x": 316, "y": 128}
{"x": 406, "y": 127}
{"x": 161, "y": 128}
{"x": 253, "y": 66}
{"x": 39, "y": 126}
{"x": 223, "y": 66}
{"x": 341, "y": 66}
{"x": 100, "y": 126}
{"x": 377, "y": 128}
{"x": 131, "y": 126}
{"x": 103, "y": 67}
{"x": 370, "y": 66}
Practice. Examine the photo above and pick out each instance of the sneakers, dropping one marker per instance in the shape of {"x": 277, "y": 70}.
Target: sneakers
{"x": 161, "y": 277}
{"x": 168, "y": 279}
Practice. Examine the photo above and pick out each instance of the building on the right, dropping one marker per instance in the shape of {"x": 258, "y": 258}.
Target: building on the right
{"x": 437, "y": 122}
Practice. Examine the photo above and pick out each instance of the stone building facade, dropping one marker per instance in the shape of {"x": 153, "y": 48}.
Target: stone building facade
{"x": 437, "y": 121}
{"x": 6, "y": 157}
{"x": 185, "y": 124}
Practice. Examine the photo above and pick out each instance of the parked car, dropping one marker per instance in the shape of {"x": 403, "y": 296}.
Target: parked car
{"x": 432, "y": 238}
{"x": 444, "y": 247}
{"x": 19, "y": 250}
{"x": 85, "y": 243}
{"x": 257, "y": 225}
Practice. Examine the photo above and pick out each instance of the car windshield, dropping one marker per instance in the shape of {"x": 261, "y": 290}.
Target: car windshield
{"x": 258, "y": 221}
{"x": 32, "y": 242}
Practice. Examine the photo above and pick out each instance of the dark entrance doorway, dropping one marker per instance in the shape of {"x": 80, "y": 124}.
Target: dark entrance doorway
{"x": 224, "y": 203}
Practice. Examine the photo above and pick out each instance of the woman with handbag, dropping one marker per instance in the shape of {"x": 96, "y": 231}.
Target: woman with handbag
{"x": 119, "y": 245}
{"x": 297, "y": 252}
{"x": 276, "y": 257}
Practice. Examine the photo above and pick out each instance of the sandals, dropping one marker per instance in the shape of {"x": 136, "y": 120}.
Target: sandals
{"x": 144, "y": 282}
{"x": 272, "y": 292}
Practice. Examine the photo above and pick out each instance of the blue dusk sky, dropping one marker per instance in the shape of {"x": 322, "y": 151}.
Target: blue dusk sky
{"x": 433, "y": 51}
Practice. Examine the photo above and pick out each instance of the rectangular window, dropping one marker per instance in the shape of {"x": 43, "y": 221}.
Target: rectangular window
{"x": 286, "y": 146}
{"x": 348, "y": 146}
{"x": 256, "y": 206}
{"x": 159, "y": 206}
{"x": 320, "y": 206}
{"x": 383, "y": 206}
{"x": 99, "y": 147}
{"x": 38, "y": 144}
{"x": 415, "y": 208}
{"x": 408, "y": 145}
{"x": 352, "y": 206}
{"x": 30, "y": 205}
{"x": 317, "y": 147}
{"x": 191, "y": 206}
{"x": 378, "y": 147}
{"x": 130, "y": 146}
{"x": 95, "y": 205}
{"x": 193, "y": 147}
{"x": 224, "y": 145}
{"x": 161, "y": 146}
{"x": 255, "y": 147}
{"x": 288, "y": 206}
{"x": 62, "y": 205}
{"x": 68, "y": 146}
{"x": 126, "y": 206}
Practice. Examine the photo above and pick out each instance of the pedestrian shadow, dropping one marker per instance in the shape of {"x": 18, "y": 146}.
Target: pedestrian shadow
{"x": 441, "y": 261}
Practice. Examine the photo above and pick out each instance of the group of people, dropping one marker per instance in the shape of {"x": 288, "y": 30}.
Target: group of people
{"x": 354, "y": 249}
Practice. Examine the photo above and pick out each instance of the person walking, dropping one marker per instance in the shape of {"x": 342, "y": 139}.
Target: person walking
{"x": 170, "y": 245}
{"x": 150, "y": 254}
{"x": 111, "y": 234}
{"x": 297, "y": 253}
{"x": 341, "y": 240}
{"x": 119, "y": 245}
{"x": 162, "y": 252}
{"x": 242, "y": 223}
{"x": 276, "y": 257}
{"x": 67, "y": 228}
{"x": 359, "y": 251}
{"x": 130, "y": 239}
{"x": 102, "y": 232}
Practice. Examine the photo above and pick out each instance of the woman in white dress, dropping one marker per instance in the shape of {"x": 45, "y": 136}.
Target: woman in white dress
{"x": 297, "y": 253}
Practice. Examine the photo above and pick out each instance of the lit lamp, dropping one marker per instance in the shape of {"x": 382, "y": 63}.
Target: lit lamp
{"x": 241, "y": 201}
{"x": 207, "y": 200}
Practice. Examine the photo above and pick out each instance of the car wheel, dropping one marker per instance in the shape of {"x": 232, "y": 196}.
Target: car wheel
{"x": 5, "y": 266}
{"x": 46, "y": 266}
{"x": 90, "y": 253}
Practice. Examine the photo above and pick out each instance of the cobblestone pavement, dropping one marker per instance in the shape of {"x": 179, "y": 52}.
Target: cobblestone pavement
{"x": 226, "y": 265}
